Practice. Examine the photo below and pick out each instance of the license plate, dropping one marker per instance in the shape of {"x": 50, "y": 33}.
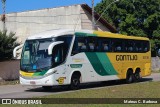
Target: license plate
{"x": 32, "y": 82}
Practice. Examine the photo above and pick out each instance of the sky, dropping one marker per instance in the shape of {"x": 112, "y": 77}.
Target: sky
{"x": 24, "y": 5}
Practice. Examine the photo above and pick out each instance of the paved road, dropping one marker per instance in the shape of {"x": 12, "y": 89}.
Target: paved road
{"x": 18, "y": 91}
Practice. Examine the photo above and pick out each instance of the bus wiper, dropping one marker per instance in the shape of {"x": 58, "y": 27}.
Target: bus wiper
{"x": 24, "y": 68}
{"x": 42, "y": 69}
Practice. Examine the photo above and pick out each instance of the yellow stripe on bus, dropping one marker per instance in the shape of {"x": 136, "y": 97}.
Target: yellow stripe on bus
{"x": 120, "y": 36}
{"x": 26, "y": 74}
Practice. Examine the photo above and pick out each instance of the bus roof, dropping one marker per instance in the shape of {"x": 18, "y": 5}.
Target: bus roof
{"x": 56, "y": 33}
{"x": 114, "y": 35}
{"x": 61, "y": 32}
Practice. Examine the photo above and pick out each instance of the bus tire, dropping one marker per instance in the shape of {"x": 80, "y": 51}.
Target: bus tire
{"x": 47, "y": 88}
{"x": 137, "y": 76}
{"x": 129, "y": 77}
{"x": 75, "y": 82}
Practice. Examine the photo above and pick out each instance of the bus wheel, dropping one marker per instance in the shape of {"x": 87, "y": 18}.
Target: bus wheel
{"x": 137, "y": 76}
{"x": 129, "y": 77}
{"x": 75, "y": 82}
{"x": 47, "y": 87}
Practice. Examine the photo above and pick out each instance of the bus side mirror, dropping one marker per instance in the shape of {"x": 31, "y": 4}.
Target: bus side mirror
{"x": 15, "y": 50}
{"x": 51, "y": 46}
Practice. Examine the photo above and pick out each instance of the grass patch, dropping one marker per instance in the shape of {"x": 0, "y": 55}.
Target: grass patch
{"x": 137, "y": 90}
{"x": 9, "y": 82}
{"x": 155, "y": 71}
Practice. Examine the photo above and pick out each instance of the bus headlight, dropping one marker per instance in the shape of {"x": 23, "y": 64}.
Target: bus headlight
{"x": 54, "y": 71}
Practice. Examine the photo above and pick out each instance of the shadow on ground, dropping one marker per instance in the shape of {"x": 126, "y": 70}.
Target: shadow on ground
{"x": 86, "y": 86}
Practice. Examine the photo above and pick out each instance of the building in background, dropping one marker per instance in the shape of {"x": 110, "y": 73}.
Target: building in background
{"x": 28, "y": 23}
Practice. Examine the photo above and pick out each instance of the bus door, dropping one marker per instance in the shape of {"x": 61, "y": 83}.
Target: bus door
{"x": 59, "y": 55}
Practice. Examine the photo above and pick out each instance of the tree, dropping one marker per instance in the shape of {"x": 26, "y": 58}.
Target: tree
{"x": 7, "y": 43}
{"x": 134, "y": 17}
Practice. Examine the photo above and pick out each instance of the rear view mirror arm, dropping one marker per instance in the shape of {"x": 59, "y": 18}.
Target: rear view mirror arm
{"x": 15, "y": 50}
{"x": 51, "y": 46}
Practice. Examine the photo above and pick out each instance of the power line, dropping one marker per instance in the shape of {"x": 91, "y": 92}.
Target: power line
{"x": 106, "y": 9}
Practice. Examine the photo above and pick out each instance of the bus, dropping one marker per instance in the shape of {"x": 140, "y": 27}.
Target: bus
{"x": 68, "y": 57}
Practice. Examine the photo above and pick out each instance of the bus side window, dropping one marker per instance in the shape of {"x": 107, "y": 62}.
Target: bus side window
{"x": 129, "y": 45}
{"x": 83, "y": 47}
{"x": 67, "y": 39}
{"x": 138, "y": 46}
{"x": 135, "y": 47}
{"x": 92, "y": 44}
{"x": 146, "y": 46}
{"x": 104, "y": 44}
{"x": 59, "y": 54}
{"x": 80, "y": 45}
{"x": 75, "y": 49}
{"x": 98, "y": 46}
{"x": 118, "y": 45}
{"x": 56, "y": 59}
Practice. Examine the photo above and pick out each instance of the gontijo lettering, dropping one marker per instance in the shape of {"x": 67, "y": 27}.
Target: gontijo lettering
{"x": 126, "y": 57}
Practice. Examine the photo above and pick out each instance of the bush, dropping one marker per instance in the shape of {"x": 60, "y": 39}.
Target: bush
{"x": 8, "y": 42}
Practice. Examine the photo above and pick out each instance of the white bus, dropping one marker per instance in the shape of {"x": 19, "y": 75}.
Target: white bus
{"x": 68, "y": 57}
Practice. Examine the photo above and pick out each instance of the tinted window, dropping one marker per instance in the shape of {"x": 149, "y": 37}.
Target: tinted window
{"x": 67, "y": 40}
{"x": 101, "y": 44}
{"x": 80, "y": 45}
{"x": 145, "y": 46}
{"x": 92, "y": 44}
{"x": 118, "y": 45}
{"x": 105, "y": 44}
{"x": 138, "y": 46}
{"x": 129, "y": 46}
{"x": 59, "y": 54}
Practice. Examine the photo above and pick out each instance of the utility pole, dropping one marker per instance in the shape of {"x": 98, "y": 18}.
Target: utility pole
{"x": 93, "y": 20}
{"x": 3, "y": 18}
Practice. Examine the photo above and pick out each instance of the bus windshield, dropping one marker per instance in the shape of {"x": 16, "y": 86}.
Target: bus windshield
{"x": 35, "y": 55}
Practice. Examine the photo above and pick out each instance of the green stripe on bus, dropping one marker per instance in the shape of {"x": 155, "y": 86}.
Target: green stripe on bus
{"x": 43, "y": 72}
{"x": 101, "y": 63}
{"x": 76, "y": 65}
{"x": 80, "y": 34}
{"x": 96, "y": 64}
{"x": 37, "y": 74}
{"x": 107, "y": 65}
{"x": 40, "y": 73}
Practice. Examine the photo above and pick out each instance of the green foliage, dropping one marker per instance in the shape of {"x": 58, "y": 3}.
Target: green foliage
{"x": 7, "y": 44}
{"x": 134, "y": 17}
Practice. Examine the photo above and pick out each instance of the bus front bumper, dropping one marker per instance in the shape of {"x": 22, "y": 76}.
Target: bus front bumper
{"x": 38, "y": 81}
